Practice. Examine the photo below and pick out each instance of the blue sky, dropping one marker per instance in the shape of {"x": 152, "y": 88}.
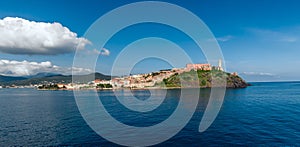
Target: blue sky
{"x": 259, "y": 39}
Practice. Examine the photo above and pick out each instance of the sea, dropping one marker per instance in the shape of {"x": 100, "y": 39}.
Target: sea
{"x": 264, "y": 114}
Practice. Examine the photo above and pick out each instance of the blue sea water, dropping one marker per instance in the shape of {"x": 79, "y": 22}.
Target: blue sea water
{"x": 261, "y": 114}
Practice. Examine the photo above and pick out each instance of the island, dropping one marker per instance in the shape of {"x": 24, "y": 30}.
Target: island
{"x": 193, "y": 75}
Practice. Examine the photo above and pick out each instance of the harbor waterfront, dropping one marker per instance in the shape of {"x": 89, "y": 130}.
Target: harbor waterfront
{"x": 266, "y": 113}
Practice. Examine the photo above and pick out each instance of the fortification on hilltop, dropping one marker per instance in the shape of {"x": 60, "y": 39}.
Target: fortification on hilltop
{"x": 205, "y": 66}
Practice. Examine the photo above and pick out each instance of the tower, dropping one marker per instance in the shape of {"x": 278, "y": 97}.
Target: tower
{"x": 220, "y": 65}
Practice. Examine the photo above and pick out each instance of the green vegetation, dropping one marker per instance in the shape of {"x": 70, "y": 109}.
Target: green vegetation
{"x": 104, "y": 86}
{"x": 49, "y": 87}
{"x": 189, "y": 79}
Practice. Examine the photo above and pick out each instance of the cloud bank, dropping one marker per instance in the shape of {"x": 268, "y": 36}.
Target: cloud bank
{"x": 26, "y": 68}
{"x": 20, "y": 36}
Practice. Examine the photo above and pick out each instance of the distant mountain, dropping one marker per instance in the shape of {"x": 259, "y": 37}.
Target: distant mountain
{"x": 89, "y": 77}
{"x": 55, "y": 78}
{"x": 8, "y": 78}
{"x": 43, "y": 74}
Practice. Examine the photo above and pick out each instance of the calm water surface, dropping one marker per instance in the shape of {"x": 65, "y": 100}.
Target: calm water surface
{"x": 262, "y": 114}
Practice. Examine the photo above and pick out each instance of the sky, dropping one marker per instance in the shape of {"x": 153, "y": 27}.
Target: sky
{"x": 259, "y": 39}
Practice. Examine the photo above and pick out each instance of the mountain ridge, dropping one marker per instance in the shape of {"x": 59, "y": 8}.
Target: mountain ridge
{"x": 49, "y": 78}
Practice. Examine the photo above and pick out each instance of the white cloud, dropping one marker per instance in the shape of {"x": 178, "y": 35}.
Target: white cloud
{"x": 26, "y": 68}
{"x": 221, "y": 39}
{"x": 289, "y": 39}
{"x": 276, "y": 35}
{"x": 258, "y": 74}
{"x": 20, "y": 36}
{"x": 224, "y": 38}
{"x": 104, "y": 52}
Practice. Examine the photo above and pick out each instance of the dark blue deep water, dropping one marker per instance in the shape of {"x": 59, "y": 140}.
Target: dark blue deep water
{"x": 262, "y": 114}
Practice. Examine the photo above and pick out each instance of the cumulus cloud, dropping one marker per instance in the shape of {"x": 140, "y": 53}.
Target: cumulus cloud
{"x": 21, "y": 36}
{"x": 26, "y": 68}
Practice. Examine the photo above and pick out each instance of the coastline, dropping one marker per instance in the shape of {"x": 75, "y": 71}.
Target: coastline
{"x": 145, "y": 88}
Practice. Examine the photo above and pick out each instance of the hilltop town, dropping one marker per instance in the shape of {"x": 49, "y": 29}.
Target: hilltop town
{"x": 154, "y": 79}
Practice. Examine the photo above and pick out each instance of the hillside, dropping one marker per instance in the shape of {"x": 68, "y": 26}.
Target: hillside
{"x": 233, "y": 81}
{"x": 42, "y": 74}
